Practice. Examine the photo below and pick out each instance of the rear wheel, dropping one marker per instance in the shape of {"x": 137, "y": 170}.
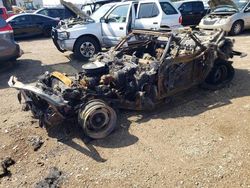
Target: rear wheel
{"x": 97, "y": 119}
{"x": 221, "y": 74}
{"x": 237, "y": 28}
{"x": 86, "y": 47}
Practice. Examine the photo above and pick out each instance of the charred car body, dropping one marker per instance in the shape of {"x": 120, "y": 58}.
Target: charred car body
{"x": 140, "y": 72}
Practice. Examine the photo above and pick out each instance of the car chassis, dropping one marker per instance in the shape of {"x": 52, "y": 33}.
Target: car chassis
{"x": 144, "y": 69}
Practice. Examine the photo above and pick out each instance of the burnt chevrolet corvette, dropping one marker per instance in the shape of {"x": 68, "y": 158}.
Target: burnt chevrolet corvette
{"x": 140, "y": 72}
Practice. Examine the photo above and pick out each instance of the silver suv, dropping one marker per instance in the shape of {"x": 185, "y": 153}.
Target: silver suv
{"x": 106, "y": 26}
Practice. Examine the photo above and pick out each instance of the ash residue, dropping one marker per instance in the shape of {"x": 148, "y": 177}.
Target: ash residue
{"x": 53, "y": 179}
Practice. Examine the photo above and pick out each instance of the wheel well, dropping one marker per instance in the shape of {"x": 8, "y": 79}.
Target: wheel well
{"x": 242, "y": 21}
{"x": 88, "y": 35}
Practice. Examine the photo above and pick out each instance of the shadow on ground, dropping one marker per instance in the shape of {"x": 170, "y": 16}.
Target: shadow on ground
{"x": 71, "y": 134}
{"x": 31, "y": 38}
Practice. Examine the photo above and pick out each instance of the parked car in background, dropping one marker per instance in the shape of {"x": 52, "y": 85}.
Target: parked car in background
{"x": 111, "y": 22}
{"x": 56, "y": 12}
{"x": 9, "y": 49}
{"x": 192, "y": 11}
{"x": 29, "y": 24}
{"x": 4, "y": 13}
{"x": 233, "y": 16}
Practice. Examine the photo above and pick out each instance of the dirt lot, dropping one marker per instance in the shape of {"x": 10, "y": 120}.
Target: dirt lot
{"x": 201, "y": 140}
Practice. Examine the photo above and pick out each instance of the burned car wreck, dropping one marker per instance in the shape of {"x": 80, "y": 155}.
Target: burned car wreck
{"x": 144, "y": 69}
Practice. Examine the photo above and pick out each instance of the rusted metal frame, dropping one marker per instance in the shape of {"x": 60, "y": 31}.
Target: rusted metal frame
{"x": 120, "y": 44}
{"x": 166, "y": 48}
{"x": 142, "y": 32}
{"x": 187, "y": 58}
{"x": 150, "y": 32}
{"x": 161, "y": 91}
{"x": 197, "y": 41}
{"x": 208, "y": 61}
{"x": 220, "y": 36}
{"x": 136, "y": 45}
{"x": 173, "y": 61}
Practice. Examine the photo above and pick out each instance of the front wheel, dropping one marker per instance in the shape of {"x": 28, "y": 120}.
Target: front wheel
{"x": 221, "y": 74}
{"x": 86, "y": 47}
{"x": 237, "y": 28}
{"x": 97, "y": 119}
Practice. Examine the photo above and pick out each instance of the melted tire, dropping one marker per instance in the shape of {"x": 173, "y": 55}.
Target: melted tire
{"x": 220, "y": 76}
{"x": 97, "y": 119}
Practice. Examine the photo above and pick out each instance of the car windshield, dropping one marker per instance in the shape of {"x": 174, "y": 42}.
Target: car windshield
{"x": 97, "y": 15}
{"x": 240, "y": 4}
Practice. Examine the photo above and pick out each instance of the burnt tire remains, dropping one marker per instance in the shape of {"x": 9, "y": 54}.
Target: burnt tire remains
{"x": 221, "y": 74}
{"x": 97, "y": 119}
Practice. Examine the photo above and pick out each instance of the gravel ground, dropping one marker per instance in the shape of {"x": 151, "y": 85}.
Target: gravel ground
{"x": 200, "y": 140}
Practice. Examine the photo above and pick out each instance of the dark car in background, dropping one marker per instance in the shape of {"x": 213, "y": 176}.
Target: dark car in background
{"x": 32, "y": 24}
{"x": 56, "y": 12}
{"x": 192, "y": 11}
{"x": 9, "y": 49}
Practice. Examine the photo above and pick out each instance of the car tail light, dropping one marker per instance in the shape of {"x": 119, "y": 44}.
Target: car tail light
{"x": 6, "y": 28}
{"x": 180, "y": 19}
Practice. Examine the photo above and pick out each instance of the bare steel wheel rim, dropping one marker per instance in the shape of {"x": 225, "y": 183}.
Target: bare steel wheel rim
{"x": 237, "y": 28}
{"x": 87, "y": 49}
{"x": 98, "y": 119}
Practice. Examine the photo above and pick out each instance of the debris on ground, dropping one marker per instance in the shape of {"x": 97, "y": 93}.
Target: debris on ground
{"x": 53, "y": 179}
{"x": 5, "y": 164}
{"x": 36, "y": 142}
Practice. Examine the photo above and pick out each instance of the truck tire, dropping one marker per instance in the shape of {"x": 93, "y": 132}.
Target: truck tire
{"x": 85, "y": 48}
{"x": 97, "y": 119}
{"x": 237, "y": 28}
{"x": 221, "y": 74}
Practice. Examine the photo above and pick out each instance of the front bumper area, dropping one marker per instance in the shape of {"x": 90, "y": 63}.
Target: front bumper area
{"x": 225, "y": 27}
{"x": 62, "y": 45}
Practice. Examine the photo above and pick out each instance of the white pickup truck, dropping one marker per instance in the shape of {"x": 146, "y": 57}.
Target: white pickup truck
{"x": 86, "y": 35}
